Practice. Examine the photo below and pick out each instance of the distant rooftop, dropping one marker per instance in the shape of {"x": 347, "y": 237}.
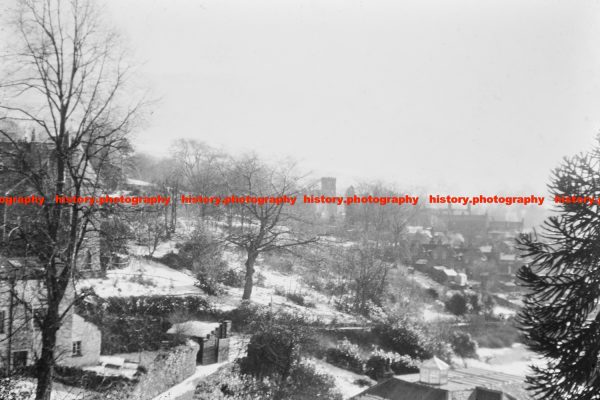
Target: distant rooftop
{"x": 486, "y": 249}
{"x": 20, "y": 268}
{"x": 138, "y": 182}
{"x": 508, "y": 257}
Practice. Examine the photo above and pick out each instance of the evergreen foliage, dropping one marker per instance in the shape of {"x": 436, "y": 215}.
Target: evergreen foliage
{"x": 559, "y": 317}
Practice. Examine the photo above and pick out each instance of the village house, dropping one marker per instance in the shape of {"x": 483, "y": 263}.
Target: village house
{"x": 449, "y": 276}
{"x": 40, "y": 155}
{"x": 22, "y": 303}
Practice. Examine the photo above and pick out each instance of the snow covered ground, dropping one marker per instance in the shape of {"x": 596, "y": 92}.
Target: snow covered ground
{"x": 431, "y": 314}
{"x": 515, "y": 360}
{"x": 275, "y": 281}
{"x": 143, "y": 277}
{"x": 161, "y": 249}
{"x": 344, "y": 379}
{"x": 501, "y": 311}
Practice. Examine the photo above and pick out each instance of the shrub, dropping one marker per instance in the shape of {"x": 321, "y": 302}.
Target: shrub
{"x": 410, "y": 338}
{"x": 140, "y": 279}
{"x": 304, "y": 383}
{"x": 463, "y": 345}
{"x": 275, "y": 346}
{"x": 296, "y": 298}
{"x": 344, "y": 304}
{"x": 260, "y": 279}
{"x": 243, "y": 316}
{"x": 475, "y": 302}
{"x": 203, "y": 255}
{"x": 369, "y": 309}
{"x": 310, "y": 304}
{"x": 336, "y": 288}
{"x": 431, "y": 292}
{"x": 405, "y": 365}
{"x": 279, "y": 263}
{"x": 228, "y": 384}
{"x": 114, "y": 236}
{"x": 233, "y": 278}
{"x": 362, "y": 382}
{"x": 345, "y": 355}
{"x": 379, "y": 361}
{"x": 314, "y": 282}
{"x": 376, "y": 367}
{"x": 457, "y": 304}
{"x": 208, "y": 283}
{"x": 171, "y": 260}
{"x": 14, "y": 389}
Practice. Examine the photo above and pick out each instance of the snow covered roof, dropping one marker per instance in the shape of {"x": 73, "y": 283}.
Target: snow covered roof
{"x": 445, "y": 270}
{"x": 193, "y": 328}
{"x": 137, "y": 182}
{"x": 486, "y": 249}
{"x": 414, "y": 229}
{"x": 508, "y": 257}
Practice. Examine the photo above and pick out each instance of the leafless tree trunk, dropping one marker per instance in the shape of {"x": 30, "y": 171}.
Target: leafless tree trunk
{"x": 65, "y": 81}
{"x": 267, "y": 227}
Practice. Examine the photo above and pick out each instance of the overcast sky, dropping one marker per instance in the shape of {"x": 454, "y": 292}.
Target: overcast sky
{"x": 480, "y": 96}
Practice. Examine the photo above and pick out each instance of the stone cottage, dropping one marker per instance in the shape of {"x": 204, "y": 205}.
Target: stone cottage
{"x": 21, "y": 301}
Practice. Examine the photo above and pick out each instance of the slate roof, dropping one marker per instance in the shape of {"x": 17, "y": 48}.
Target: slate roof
{"x": 397, "y": 389}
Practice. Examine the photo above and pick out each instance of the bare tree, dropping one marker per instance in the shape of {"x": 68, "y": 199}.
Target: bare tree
{"x": 383, "y": 223}
{"x": 65, "y": 82}
{"x": 268, "y": 227}
{"x": 198, "y": 166}
{"x": 369, "y": 276}
{"x": 149, "y": 228}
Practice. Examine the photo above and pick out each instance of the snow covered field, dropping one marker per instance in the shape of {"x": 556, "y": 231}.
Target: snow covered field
{"x": 513, "y": 360}
{"x": 143, "y": 277}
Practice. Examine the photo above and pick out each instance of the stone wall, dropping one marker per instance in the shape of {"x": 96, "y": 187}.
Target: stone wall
{"x": 168, "y": 369}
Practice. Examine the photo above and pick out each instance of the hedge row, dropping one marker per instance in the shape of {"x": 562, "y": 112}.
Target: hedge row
{"x": 132, "y": 324}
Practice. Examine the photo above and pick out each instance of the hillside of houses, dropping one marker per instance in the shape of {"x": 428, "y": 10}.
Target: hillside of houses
{"x": 176, "y": 303}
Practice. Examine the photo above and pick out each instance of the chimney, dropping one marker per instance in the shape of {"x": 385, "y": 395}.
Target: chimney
{"x": 224, "y": 329}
